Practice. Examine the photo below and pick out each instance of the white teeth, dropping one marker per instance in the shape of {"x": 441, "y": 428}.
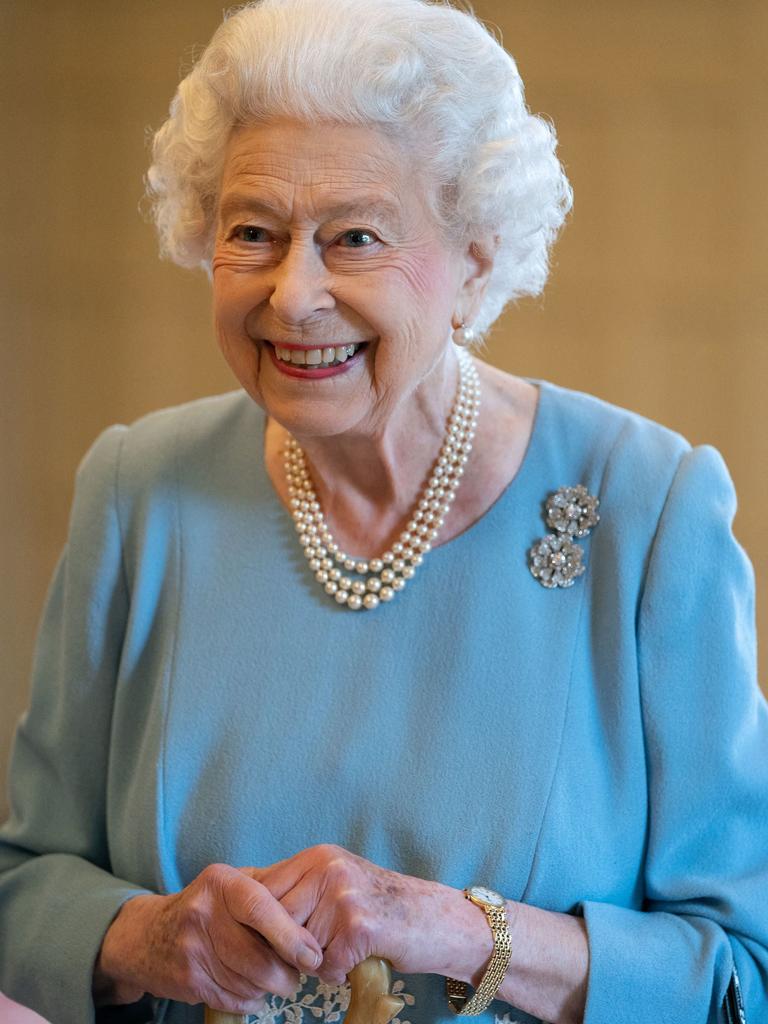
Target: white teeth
{"x": 316, "y": 357}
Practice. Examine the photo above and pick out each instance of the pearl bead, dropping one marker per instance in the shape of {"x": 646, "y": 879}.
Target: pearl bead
{"x": 416, "y": 559}
{"x": 398, "y": 583}
{"x": 386, "y": 593}
{"x": 371, "y": 601}
{"x": 374, "y": 584}
{"x": 361, "y": 567}
{"x": 358, "y": 587}
{"x": 398, "y": 564}
{"x": 314, "y": 564}
{"x": 408, "y": 572}
{"x": 341, "y": 596}
{"x": 321, "y": 576}
{"x": 397, "y": 548}
{"x": 331, "y": 587}
{"x": 326, "y": 563}
{"x": 387, "y": 576}
{"x": 334, "y": 574}
{"x": 387, "y": 557}
{"x": 349, "y": 564}
{"x": 376, "y": 565}
{"x": 354, "y": 601}
{"x": 309, "y": 552}
{"x": 345, "y": 583}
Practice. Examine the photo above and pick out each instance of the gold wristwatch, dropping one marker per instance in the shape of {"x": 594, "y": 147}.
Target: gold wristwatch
{"x": 495, "y": 909}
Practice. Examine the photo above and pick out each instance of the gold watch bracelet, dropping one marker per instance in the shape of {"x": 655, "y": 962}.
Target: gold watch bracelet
{"x": 456, "y": 991}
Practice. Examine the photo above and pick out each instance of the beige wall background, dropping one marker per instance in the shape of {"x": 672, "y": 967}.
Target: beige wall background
{"x": 657, "y": 301}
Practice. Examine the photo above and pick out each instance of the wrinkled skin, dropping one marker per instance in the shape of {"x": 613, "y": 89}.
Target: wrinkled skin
{"x": 233, "y": 934}
{"x": 356, "y": 909}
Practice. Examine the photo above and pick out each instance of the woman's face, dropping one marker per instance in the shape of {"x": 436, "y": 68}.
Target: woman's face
{"x": 324, "y": 240}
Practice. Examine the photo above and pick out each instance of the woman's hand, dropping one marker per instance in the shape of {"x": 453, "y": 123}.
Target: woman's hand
{"x": 356, "y": 909}
{"x": 223, "y": 940}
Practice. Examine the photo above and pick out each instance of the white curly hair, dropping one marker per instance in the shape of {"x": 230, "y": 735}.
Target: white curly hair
{"x": 428, "y": 73}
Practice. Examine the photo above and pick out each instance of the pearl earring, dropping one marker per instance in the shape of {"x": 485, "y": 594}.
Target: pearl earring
{"x": 463, "y": 336}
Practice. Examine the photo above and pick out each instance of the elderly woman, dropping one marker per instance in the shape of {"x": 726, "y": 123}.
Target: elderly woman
{"x": 385, "y": 652}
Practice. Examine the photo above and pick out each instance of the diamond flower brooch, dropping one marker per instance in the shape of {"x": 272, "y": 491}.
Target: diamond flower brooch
{"x": 555, "y": 560}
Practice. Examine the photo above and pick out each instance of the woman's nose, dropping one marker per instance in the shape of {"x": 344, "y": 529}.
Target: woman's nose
{"x": 301, "y": 284}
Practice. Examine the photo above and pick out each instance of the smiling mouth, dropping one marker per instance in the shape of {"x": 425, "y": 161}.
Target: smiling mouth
{"x": 316, "y": 358}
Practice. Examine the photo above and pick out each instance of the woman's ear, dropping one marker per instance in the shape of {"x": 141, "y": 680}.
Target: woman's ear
{"x": 478, "y": 260}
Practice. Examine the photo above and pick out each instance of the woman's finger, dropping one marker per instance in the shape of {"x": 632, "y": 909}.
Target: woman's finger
{"x": 220, "y": 997}
{"x": 252, "y": 904}
{"x": 247, "y": 963}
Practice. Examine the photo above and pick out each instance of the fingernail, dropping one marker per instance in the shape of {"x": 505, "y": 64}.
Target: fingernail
{"x": 308, "y": 958}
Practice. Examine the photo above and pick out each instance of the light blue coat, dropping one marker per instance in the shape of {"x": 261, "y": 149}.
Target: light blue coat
{"x": 600, "y": 750}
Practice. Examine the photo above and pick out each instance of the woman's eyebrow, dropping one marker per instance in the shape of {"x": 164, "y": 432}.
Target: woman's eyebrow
{"x": 362, "y": 206}
{"x": 372, "y": 207}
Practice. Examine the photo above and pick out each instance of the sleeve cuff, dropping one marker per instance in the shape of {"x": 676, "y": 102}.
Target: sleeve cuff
{"x": 62, "y": 936}
{"x": 653, "y": 966}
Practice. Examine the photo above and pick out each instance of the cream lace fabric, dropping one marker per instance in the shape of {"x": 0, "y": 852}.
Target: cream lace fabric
{"x": 314, "y": 1000}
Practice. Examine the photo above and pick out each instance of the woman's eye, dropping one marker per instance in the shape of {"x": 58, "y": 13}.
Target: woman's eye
{"x": 250, "y": 233}
{"x": 359, "y": 238}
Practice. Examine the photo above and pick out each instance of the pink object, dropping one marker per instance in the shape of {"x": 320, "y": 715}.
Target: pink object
{"x": 12, "y": 1013}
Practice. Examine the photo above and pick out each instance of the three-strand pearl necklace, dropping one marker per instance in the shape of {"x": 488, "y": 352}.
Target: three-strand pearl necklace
{"x": 360, "y": 584}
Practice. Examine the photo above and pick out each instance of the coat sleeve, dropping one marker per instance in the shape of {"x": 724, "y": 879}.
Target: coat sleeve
{"x": 706, "y": 737}
{"x": 57, "y": 893}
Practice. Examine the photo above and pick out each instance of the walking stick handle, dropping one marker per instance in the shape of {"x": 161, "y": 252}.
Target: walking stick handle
{"x": 370, "y": 1002}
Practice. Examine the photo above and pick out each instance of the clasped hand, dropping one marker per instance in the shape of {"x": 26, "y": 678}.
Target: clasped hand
{"x": 234, "y": 934}
{"x": 355, "y": 909}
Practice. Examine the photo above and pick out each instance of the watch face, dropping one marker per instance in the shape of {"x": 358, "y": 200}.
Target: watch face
{"x": 479, "y": 892}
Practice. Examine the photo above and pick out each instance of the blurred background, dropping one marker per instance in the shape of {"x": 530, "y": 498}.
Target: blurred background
{"x": 658, "y": 299}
